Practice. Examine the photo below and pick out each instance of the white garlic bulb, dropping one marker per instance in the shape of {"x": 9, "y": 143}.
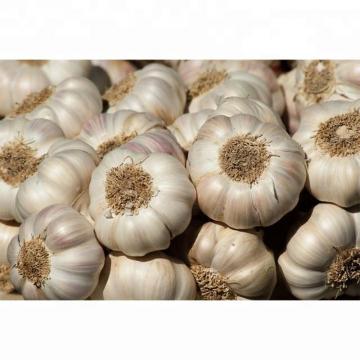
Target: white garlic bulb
{"x": 229, "y": 264}
{"x": 55, "y": 256}
{"x": 69, "y": 105}
{"x": 39, "y": 167}
{"x": 106, "y": 132}
{"x": 212, "y": 86}
{"x": 140, "y": 201}
{"x": 186, "y": 127}
{"x": 317, "y": 81}
{"x": 191, "y": 70}
{"x": 8, "y": 230}
{"x": 117, "y": 70}
{"x": 330, "y": 136}
{"x": 18, "y": 79}
{"x": 322, "y": 258}
{"x": 156, "y": 89}
{"x": 247, "y": 173}
{"x": 155, "y": 276}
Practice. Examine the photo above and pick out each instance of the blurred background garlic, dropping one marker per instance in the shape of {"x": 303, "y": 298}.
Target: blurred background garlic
{"x": 68, "y": 104}
{"x": 156, "y": 89}
{"x": 186, "y": 127}
{"x": 315, "y": 81}
{"x": 19, "y": 78}
{"x": 105, "y": 73}
{"x": 8, "y": 229}
{"x": 247, "y": 173}
{"x": 55, "y": 256}
{"x": 39, "y": 167}
{"x": 140, "y": 201}
{"x": 322, "y": 258}
{"x": 230, "y": 264}
{"x": 155, "y": 276}
{"x": 329, "y": 133}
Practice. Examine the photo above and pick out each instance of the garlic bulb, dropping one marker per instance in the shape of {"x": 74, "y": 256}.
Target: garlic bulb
{"x": 140, "y": 201}
{"x": 156, "y": 89}
{"x": 117, "y": 70}
{"x": 68, "y": 104}
{"x": 186, "y": 127}
{"x": 321, "y": 260}
{"x": 7, "y": 231}
{"x": 155, "y": 276}
{"x": 106, "y": 132}
{"x": 214, "y": 85}
{"x": 18, "y": 79}
{"x": 317, "y": 81}
{"x": 229, "y": 264}
{"x": 191, "y": 71}
{"x": 39, "y": 167}
{"x": 55, "y": 256}
{"x": 247, "y": 173}
{"x": 330, "y": 136}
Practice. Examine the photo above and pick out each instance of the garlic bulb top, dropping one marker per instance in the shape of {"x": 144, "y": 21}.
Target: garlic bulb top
{"x": 18, "y": 79}
{"x": 106, "y": 132}
{"x": 39, "y": 167}
{"x": 215, "y": 85}
{"x": 247, "y": 173}
{"x": 322, "y": 257}
{"x": 186, "y": 127}
{"x": 68, "y": 104}
{"x": 317, "y": 81}
{"x": 156, "y": 89}
{"x": 228, "y": 264}
{"x": 155, "y": 276}
{"x": 330, "y": 136}
{"x": 55, "y": 256}
{"x": 127, "y": 196}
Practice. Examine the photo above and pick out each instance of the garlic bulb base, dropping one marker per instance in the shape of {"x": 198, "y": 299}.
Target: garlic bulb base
{"x": 118, "y": 91}
{"x": 5, "y": 284}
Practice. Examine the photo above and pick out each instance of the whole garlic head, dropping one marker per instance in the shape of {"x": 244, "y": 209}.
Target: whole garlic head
{"x": 247, "y": 173}
{"x": 156, "y": 89}
{"x": 329, "y": 133}
{"x": 322, "y": 258}
{"x": 140, "y": 201}
{"x": 68, "y": 104}
{"x": 155, "y": 276}
{"x": 39, "y": 167}
{"x": 20, "y": 78}
{"x": 55, "y": 256}
{"x": 229, "y": 264}
{"x": 186, "y": 127}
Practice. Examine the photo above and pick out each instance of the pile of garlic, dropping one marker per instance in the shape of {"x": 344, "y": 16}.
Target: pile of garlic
{"x": 179, "y": 180}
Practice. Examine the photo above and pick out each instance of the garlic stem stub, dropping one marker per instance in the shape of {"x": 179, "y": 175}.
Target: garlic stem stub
{"x": 322, "y": 258}
{"x": 229, "y": 264}
{"x": 155, "y": 276}
{"x": 128, "y": 192}
{"x": 55, "y": 256}
{"x": 329, "y": 135}
{"x": 247, "y": 173}
{"x": 39, "y": 167}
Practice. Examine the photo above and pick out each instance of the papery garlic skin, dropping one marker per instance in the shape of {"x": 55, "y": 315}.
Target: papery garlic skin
{"x": 70, "y": 105}
{"x": 186, "y": 127}
{"x": 20, "y": 78}
{"x": 156, "y": 89}
{"x": 8, "y": 229}
{"x": 331, "y": 178}
{"x": 240, "y": 257}
{"x": 314, "y": 246}
{"x": 75, "y": 256}
{"x": 344, "y": 85}
{"x": 61, "y": 176}
{"x": 152, "y": 225}
{"x": 237, "y": 84}
{"x": 155, "y": 276}
{"x": 247, "y": 202}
